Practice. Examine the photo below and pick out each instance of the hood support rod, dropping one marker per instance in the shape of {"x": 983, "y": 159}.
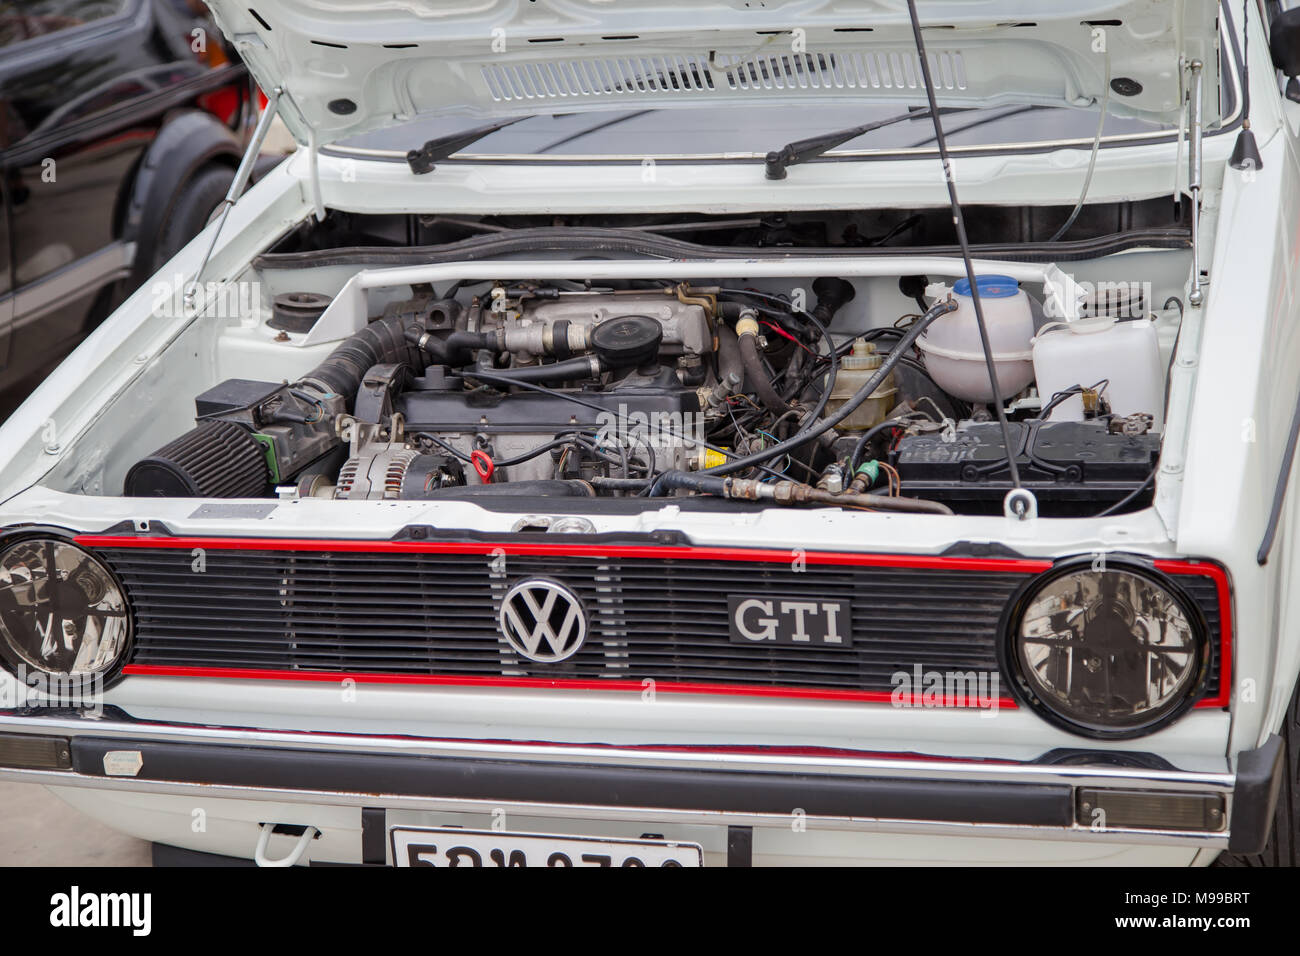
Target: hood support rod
{"x": 242, "y": 176}
{"x": 1195, "y": 296}
{"x": 1019, "y": 502}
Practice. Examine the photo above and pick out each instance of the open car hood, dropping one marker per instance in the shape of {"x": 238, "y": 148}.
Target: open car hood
{"x": 348, "y": 66}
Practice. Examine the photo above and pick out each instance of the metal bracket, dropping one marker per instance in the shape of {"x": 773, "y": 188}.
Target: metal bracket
{"x": 1195, "y": 296}
{"x": 242, "y": 175}
{"x": 313, "y": 160}
{"x": 1020, "y": 504}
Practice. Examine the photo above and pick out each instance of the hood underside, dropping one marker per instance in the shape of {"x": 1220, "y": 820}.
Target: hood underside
{"x": 349, "y": 66}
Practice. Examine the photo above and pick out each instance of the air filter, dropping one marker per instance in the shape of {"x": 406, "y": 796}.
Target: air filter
{"x": 213, "y": 460}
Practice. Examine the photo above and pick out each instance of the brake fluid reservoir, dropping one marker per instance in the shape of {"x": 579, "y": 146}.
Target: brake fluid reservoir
{"x": 954, "y": 354}
{"x": 1086, "y": 351}
{"x": 856, "y": 369}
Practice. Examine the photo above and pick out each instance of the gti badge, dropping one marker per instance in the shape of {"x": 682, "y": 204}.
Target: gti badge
{"x": 543, "y": 621}
{"x": 795, "y": 621}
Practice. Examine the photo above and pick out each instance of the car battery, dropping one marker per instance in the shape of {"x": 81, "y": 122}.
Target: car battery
{"x": 1073, "y": 468}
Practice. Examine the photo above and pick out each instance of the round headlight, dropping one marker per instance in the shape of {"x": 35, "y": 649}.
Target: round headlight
{"x": 62, "y": 612}
{"x": 1107, "y": 650}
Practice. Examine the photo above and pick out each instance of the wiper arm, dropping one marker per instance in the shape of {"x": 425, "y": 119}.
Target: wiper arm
{"x": 805, "y": 149}
{"x": 439, "y": 148}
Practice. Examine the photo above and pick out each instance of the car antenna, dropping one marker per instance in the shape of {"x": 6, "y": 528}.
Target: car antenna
{"x": 1245, "y": 153}
{"x": 1020, "y": 501}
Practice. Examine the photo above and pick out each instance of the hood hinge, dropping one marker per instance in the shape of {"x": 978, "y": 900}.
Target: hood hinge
{"x": 1195, "y": 295}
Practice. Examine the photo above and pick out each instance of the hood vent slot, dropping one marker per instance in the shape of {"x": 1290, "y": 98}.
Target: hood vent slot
{"x": 775, "y": 72}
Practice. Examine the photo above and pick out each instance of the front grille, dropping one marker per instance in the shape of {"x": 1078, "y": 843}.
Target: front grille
{"x": 666, "y": 619}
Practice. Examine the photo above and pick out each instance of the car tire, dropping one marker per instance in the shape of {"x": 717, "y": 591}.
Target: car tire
{"x": 194, "y": 204}
{"x": 1283, "y": 846}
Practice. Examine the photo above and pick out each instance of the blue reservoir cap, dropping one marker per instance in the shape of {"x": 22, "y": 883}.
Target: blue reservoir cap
{"x": 991, "y": 287}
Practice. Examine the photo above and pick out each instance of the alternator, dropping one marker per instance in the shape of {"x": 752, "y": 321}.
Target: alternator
{"x": 396, "y": 471}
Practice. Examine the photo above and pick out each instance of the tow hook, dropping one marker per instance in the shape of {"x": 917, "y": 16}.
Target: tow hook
{"x": 305, "y": 836}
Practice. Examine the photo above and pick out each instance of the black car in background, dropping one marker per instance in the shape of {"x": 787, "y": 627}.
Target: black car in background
{"x": 121, "y": 123}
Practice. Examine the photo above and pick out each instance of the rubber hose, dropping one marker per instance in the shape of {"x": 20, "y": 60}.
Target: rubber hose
{"x": 882, "y": 503}
{"x": 848, "y": 408}
{"x": 541, "y": 488}
{"x": 566, "y": 371}
{"x": 455, "y": 349}
{"x": 381, "y": 342}
{"x": 729, "y": 360}
{"x": 757, "y": 376}
{"x": 865, "y": 440}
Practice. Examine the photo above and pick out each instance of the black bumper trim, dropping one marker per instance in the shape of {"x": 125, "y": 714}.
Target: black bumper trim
{"x": 740, "y": 846}
{"x": 454, "y": 778}
{"x": 172, "y": 856}
{"x": 374, "y": 835}
{"x": 1254, "y": 798}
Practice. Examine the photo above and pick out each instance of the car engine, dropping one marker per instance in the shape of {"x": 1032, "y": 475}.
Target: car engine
{"x": 650, "y": 388}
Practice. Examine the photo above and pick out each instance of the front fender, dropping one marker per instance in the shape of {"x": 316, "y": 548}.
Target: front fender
{"x": 187, "y": 142}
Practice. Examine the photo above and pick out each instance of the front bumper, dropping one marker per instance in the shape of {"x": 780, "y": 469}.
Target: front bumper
{"x": 1050, "y": 799}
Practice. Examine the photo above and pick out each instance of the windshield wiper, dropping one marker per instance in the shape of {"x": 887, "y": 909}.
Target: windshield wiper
{"x": 805, "y": 149}
{"x": 440, "y": 147}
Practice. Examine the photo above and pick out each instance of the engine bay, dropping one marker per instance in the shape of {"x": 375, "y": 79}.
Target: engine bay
{"x": 861, "y": 391}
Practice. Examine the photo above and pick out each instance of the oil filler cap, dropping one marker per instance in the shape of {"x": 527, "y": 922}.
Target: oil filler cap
{"x": 628, "y": 341}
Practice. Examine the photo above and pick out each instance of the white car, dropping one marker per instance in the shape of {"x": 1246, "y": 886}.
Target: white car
{"x": 548, "y": 465}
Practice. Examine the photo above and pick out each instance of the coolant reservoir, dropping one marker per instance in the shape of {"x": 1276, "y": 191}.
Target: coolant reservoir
{"x": 954, "y": 355}
{"x": 1084, "y": 352}
{"x": 856, "y": 369}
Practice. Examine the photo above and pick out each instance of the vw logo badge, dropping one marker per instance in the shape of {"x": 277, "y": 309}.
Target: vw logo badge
{"x": 543, "y": 621}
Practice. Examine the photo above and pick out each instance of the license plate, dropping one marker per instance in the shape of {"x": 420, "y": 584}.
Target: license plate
{"x": 452, "y": 846}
